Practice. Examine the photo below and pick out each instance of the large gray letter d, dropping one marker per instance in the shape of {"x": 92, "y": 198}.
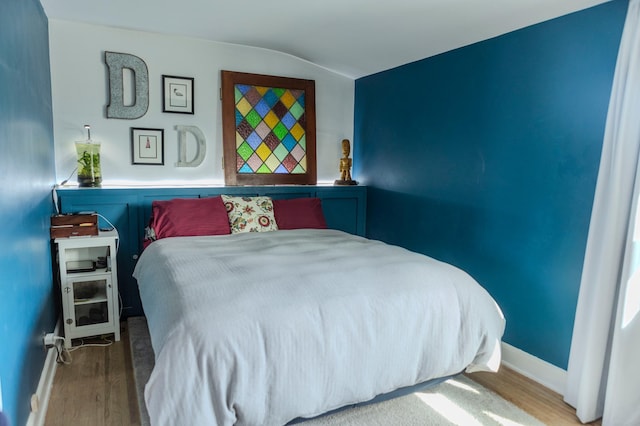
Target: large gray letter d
{"x": 116, "y": 108}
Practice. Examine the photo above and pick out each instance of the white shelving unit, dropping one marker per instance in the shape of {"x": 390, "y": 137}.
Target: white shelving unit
{"x": 89, "y": 285}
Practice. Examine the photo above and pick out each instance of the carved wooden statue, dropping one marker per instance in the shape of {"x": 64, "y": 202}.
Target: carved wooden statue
{"x": 345, "y": 165}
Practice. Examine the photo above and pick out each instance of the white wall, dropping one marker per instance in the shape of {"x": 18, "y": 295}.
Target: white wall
{"x": 80, "y": 91}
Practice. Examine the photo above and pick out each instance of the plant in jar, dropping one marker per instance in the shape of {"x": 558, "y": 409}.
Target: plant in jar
{"x": 88, "y": 152}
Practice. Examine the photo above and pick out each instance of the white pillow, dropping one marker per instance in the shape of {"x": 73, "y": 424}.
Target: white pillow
{"x": 250, "y": 214}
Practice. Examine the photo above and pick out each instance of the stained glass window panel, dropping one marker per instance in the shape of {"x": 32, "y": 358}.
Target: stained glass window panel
{"x": 272, "y": 125}
{"x": 271, "y": 122}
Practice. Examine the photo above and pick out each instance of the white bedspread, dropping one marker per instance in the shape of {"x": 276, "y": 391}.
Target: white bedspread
{"x": 261, "y": 328}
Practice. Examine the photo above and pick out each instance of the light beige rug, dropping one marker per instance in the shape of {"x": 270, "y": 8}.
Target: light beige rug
{"x": 458, "y": 401}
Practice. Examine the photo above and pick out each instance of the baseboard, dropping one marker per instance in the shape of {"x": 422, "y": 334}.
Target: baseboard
{"x": 548, "y": 375}
{"x": 40, "y": 400}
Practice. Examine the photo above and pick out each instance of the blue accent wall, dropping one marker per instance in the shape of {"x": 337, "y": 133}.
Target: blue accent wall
{"x": 487, "y": 157}
{"x": 27, "y": 307}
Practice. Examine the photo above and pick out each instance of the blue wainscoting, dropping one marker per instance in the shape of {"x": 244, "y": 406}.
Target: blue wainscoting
{"x": 129, "y": 209}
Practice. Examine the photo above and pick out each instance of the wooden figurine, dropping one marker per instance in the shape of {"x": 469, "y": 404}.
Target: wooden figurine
{"x": 345, "y": 166}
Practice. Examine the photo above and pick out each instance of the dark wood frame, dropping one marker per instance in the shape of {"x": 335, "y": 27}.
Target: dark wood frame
{"x": 231, "y": 176}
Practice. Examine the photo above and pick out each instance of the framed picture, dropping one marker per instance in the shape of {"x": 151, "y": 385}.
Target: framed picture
{"x": 147, "y": 146}
{"x": 268, "y": 129}
{"x": 178, "y": 94}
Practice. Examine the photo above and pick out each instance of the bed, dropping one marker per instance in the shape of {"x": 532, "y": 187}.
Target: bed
{"x": 265, "y": 328}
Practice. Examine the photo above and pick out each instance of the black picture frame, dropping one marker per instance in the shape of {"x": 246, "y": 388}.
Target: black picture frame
{"x": 178, "y": 95}
{"x": 147, "y": 146}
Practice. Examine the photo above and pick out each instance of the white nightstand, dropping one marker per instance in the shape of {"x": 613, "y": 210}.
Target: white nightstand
{"x": 88, "y": 274}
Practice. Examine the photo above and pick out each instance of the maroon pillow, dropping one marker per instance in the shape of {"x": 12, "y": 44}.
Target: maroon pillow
{"x": 186, "y": 217}
{"x": 299, "y": 213}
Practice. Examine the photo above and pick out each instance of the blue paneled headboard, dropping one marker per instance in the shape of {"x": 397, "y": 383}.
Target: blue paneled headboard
{"x": 128, "y": 209}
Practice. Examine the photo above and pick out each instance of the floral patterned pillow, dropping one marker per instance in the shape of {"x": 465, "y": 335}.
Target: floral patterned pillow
{"x": 250, "y": 214}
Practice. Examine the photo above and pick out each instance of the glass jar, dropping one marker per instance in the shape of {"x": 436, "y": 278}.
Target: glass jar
{"x": 89, "y": 174}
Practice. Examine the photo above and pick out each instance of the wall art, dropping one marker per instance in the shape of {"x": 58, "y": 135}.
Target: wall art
{"x": 117, "y": 62}
{"x": 268, "y": 129}
{"x": 177, "y": 94}
{"x": 201, "y": 146}
{"x": 147, "y": 146}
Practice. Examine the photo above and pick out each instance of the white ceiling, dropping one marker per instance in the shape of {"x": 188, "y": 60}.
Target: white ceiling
{"x": 352, "y": 37}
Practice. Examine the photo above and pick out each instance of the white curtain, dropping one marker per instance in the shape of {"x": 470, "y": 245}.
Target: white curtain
{"x": 603, "y": 377}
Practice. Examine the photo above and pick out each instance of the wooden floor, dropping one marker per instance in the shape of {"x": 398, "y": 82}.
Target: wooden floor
{"x": 542, "y": 403}
{"x": 97, "y": 389}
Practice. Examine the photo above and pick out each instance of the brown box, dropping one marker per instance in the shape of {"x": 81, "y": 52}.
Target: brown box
{"x": 73, "y": 225}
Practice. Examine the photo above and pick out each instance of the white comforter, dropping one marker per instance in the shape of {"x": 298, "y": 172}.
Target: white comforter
{"x": 261, "y": 328}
